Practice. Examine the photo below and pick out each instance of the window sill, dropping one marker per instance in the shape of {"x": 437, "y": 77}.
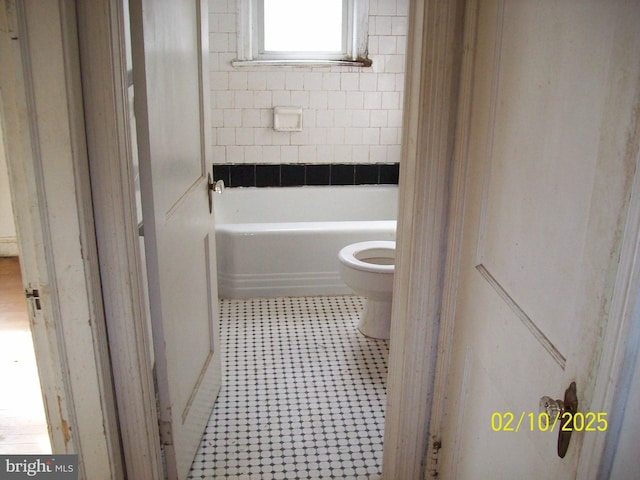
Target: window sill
{"x": 361, "y": 62}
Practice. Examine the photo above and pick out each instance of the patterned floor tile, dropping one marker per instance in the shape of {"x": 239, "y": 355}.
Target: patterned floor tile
{"x": 304, "y": 393}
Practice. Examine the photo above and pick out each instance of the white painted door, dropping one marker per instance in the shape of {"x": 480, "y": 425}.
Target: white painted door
{"x": 171, "y": 101}
{"x": 551, "y": 159}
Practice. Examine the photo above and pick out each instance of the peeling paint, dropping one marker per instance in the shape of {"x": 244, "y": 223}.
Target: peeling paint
{"x": 66, "y": 430}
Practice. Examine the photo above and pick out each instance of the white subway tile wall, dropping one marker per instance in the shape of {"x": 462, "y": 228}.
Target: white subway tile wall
{"x": 350, "y": 114}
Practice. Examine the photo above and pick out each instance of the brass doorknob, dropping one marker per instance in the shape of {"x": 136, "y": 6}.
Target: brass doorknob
{"x": 562, "y": 412}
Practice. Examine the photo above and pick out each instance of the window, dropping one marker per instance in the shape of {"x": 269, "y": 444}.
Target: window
{"x": 303, "y": 31}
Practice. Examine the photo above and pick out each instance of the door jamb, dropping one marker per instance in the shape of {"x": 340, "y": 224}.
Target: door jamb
{"x": 431, "y": 92}
{"x": 454, "y": 238}
{"x": 101, "y": 26}
{"x": 42, "y": 119}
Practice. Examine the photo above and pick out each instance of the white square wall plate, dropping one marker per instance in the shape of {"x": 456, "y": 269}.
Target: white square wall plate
{"x": 287, "y": 119}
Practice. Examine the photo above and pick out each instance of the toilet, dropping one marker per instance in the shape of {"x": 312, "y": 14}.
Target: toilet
{"x": 367, "y": 268}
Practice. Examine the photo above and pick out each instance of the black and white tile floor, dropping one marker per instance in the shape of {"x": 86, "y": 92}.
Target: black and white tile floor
{"x": 304, "y": 393}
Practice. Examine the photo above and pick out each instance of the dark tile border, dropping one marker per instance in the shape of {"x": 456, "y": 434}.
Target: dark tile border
{"x": 297, "y": 175}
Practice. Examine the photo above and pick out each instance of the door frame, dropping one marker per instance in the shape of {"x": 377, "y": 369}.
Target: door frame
{"x": 424, "y": 181}
{"x": 617, "y": 351}
{"x": 42, "y": 119}
{"x": 105, "y": 82}
{"x": 428, "y": 139}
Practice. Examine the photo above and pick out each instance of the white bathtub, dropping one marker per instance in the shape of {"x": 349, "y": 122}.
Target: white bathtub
{"x": 285, "y": 241}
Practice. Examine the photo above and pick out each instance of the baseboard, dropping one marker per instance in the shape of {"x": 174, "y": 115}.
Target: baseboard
{"x": 8, "y": 247}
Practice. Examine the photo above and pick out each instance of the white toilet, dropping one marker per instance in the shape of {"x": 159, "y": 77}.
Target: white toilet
{"x": 367, "y": 267}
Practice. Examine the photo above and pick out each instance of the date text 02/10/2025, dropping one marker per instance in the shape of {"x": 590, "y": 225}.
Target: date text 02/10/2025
{"x": 567, "y": 421}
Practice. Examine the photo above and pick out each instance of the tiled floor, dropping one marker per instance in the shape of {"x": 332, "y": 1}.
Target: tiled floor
{"x": 304, "y": 393}
{"x": 23, "y": 427}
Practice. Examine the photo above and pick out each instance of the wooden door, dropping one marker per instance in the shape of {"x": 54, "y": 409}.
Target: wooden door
{"x": 551, "y": 160}
{"x": 170, "y": 104}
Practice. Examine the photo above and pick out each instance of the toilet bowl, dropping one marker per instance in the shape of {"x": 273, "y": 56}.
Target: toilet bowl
{"x": 367, "y": 268}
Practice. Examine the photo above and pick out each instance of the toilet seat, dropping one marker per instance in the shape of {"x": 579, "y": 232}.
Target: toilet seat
{"x": 356, "y": 255}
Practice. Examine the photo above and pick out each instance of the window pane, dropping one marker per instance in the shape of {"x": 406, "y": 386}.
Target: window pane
{"x": 303, "y": 25}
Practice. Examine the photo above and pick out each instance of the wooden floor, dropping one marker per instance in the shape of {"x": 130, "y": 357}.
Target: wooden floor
{"x": 23, "y": 428}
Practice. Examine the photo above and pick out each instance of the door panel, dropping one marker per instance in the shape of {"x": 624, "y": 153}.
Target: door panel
{"x": 547, "y": 115}
{"x": 172, "y": 65}
{"x": 178, "y": 227}
{"x": 548, "y": 179}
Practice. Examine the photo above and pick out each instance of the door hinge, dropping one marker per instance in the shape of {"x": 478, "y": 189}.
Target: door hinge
{"x": 434, "y": 452}
{"x": 33, "y": 295}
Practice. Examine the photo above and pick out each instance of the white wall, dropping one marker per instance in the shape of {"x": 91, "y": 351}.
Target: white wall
{"x": 350, "y": 114}
{"x": 8, "y": 242}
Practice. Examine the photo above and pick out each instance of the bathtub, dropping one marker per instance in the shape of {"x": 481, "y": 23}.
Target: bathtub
{"x": 285, "y": 241}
